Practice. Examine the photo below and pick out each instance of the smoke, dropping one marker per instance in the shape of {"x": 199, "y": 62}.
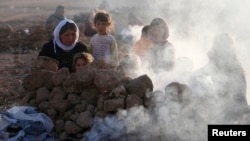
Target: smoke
{"x": 193, "y": 26}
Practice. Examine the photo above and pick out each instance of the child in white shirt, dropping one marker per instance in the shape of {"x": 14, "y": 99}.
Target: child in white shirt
{"x": 103, "y": 45}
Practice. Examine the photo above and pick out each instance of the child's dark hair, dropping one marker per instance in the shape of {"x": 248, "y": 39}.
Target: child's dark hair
{"x": 68, "y": 26}
{"x": 145, "y": 29}
{"x": 102, "y": 16}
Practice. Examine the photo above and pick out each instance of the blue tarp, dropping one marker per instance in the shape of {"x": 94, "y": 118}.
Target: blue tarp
{"x": 25, "y": 123}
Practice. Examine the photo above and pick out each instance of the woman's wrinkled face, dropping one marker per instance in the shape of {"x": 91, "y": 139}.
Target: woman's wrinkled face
{"x": 68, "y": 37}
{"x": 80, "y": 63}
{"x": 156, "y": 34}
{"x": 101, "y": 27}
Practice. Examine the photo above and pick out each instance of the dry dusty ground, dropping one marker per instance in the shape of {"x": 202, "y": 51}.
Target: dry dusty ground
{"x": 13, "y": 66}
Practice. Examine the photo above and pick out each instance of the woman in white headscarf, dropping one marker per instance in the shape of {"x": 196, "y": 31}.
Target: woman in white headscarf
{"x": 64, "y": 45}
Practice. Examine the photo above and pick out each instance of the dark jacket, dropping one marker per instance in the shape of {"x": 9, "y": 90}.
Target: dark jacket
{"x": 65, "y": 58}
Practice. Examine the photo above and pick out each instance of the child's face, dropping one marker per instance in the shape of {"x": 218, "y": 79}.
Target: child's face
{"x": 156, "y": 34}
{"x": 80, "y": 63}
{"x": 101, "y": 27}
{"x": 68, "y": 37}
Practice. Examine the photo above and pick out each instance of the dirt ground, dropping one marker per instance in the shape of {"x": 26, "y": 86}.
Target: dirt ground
{"x": 15, "y": 66}
{"x": 13, "y": 69}
{"x": 15, "y": 63}
{"x": 12, "y": 10}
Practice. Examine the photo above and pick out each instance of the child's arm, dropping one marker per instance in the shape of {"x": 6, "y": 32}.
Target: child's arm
{"x": 114, "y": 54}
{"x": 90, "y": 48}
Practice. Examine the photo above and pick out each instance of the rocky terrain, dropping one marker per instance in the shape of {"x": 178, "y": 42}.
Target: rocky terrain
{"x": 22, "y": 35}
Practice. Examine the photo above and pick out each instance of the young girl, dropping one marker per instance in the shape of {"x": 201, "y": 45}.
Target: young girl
{"x": 161, "y": 55}
{"x": 64, "y": 45}
{"x": 81, "y": 59}
{"x": 103, "y": 45}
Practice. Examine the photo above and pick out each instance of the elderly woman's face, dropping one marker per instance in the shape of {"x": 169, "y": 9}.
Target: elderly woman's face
{"x": 68, "y": 37}
{"x": 156, "y": 34}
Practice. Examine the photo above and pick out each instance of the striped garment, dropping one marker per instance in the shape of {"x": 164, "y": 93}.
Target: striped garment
{"x": 104, "y": 47}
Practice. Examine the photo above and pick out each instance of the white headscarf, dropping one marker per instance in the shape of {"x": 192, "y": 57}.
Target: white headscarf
{"x": 57, "y": 36}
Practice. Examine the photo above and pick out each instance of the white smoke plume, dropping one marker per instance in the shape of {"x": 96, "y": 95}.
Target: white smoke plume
{"x": 193, "y": 25}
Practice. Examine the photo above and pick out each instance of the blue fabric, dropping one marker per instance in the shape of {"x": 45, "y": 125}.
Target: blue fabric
{"x": 24, "y": 123}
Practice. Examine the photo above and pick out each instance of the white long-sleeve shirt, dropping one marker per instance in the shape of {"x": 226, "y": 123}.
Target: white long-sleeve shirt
{"x": 104, "y": 47}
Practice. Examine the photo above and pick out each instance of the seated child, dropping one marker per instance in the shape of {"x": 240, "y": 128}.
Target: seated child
{"x": 142, "y": 46}
{"x": 81, "y": 59}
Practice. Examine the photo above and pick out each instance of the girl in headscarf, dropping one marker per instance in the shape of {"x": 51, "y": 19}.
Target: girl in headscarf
{"x": 161, "y": 55}
{"x": 64, "y": 45}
